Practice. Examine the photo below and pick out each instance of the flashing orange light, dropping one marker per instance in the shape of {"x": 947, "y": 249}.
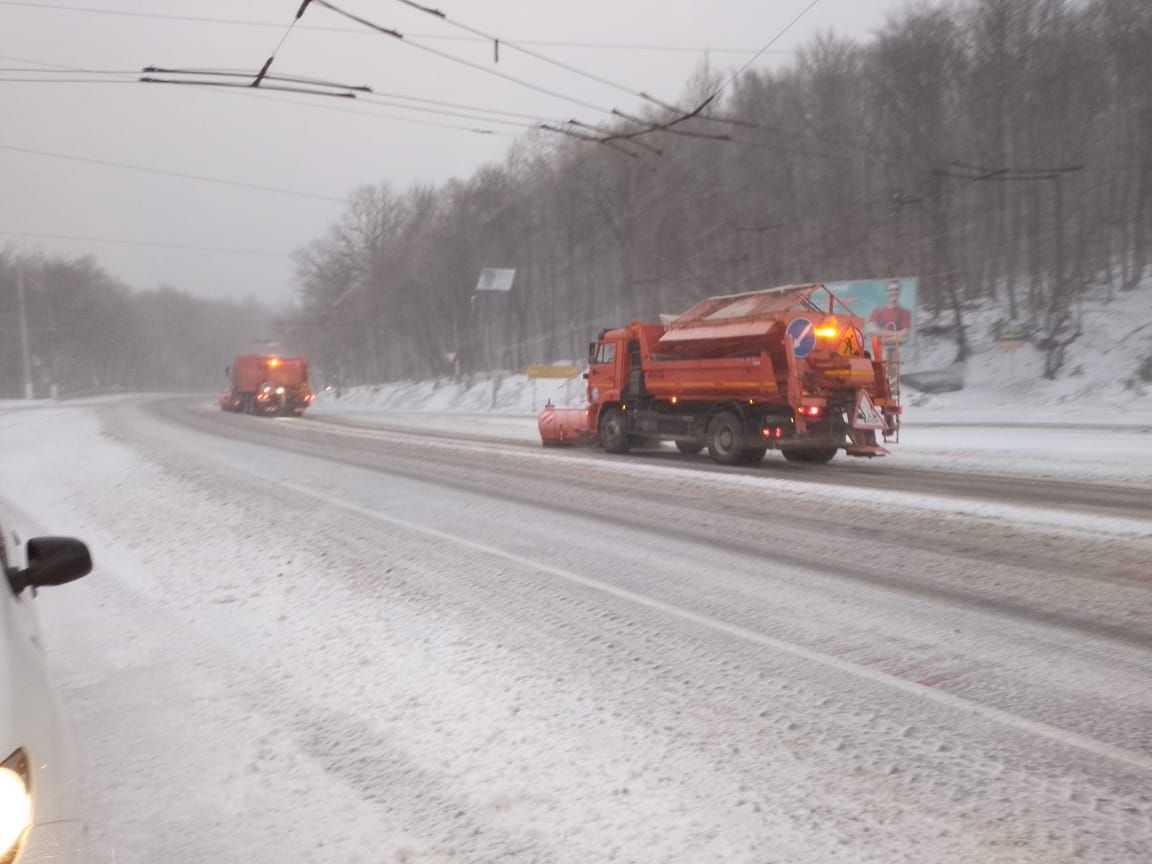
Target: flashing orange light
{"x": 826, "y": 332}
{"x": 274, "y": 362}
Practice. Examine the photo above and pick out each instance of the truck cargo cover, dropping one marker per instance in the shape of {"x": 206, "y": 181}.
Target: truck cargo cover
{"x": 738, "y": 316}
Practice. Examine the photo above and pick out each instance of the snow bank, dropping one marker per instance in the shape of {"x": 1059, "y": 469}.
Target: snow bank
{"x": 1102, "y": 381}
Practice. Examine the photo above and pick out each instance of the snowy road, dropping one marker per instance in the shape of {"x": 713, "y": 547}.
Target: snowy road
{"x": 310, "y": 640}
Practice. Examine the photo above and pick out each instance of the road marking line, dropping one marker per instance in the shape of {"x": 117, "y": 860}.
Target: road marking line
{"x": 1061, "y": 736}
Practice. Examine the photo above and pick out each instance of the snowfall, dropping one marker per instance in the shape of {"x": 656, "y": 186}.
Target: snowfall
{"x": 283, "y": 656}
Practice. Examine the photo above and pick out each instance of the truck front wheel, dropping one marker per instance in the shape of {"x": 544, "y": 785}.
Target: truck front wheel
{"x": 614, "y": 430}
{"x": 726, "y": 439}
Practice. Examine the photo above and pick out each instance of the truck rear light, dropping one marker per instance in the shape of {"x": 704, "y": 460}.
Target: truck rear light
{"x": 811, "y": 410}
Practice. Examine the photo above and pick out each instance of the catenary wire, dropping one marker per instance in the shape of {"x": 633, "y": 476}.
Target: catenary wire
{"x": 199, "y": 178}
{"x": 385, "y": 31}
{"x": 545, "y": 43}
{"x": 147, "y": 243}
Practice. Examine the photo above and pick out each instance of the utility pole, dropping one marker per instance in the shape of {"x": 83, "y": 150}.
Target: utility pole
{"x": 25, "y": 352}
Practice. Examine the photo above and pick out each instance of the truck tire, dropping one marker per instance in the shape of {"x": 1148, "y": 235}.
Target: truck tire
{"x": 689, "y": 447}
{"x": 810, "y": 455}
{"x": 726, "y": 438}
{"x": 614, "y": 430}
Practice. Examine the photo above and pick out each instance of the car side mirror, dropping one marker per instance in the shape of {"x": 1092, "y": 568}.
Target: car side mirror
{"x": 52, "y": 561}
{"x": 585, "y": 376}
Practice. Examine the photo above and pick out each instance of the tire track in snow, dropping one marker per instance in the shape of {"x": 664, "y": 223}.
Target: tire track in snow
{"x": 457, "y": 468}
{"x": 1064, "y": 737}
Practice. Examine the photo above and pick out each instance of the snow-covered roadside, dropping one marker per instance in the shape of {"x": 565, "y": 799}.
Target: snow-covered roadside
{"x": 181, "y": 761}
{"x": 286, "y": 672}
{"x": 263, "y": 710}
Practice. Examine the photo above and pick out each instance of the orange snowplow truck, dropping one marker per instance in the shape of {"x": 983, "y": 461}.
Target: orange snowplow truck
{"x": 785, "y": 369}
{"x": 267, "y": 384}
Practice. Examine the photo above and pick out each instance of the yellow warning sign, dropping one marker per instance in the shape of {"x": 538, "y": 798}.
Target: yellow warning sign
{"x": 552, "y": 371}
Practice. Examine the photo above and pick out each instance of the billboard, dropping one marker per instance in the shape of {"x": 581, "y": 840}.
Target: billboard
{"x": 887, "y": 306}
{"x": 495, "y": 279}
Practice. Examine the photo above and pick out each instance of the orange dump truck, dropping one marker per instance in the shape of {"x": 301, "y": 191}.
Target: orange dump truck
{"x": 786, "y": 369}
{"x": 267, "y": 384}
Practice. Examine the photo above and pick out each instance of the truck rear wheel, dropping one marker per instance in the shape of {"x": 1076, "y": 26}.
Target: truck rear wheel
{"x": 810, "y": 455}
{"x": 689, "y": 447}
{"x": 726, "y": 438}
{"x": 614, "y": 430}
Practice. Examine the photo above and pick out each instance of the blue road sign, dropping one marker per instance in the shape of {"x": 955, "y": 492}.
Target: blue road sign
{"x": 803, "y": 336}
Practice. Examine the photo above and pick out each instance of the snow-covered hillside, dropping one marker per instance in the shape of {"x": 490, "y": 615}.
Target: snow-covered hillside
{"x": 1106, "y": 378}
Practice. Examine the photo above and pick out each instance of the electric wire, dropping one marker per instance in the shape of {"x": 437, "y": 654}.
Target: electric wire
{"x": 232, "y": 73}
{"x": 475, "y": 110}
{"x": 158, "y": 244}
{"x": 544, "y": 58}
{"x": 395, "y": 34}
{"x": 545, "y": 43}
{"x": 143, "y": 169}
{"x": 761, "y": 52}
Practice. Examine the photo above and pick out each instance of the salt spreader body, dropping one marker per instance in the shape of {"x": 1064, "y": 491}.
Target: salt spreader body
{"x": 786, "y": 368}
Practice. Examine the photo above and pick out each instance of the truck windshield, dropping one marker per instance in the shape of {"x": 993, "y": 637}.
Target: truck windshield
{"x": 605, "y": 353}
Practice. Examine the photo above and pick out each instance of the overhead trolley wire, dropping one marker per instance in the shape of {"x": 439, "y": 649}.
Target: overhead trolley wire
{"x": 604, "y": 137}
{"x": 395, "y": 34}
{"x": 764, "y": 50}
{"x": 62, "y": 70}
{"x": 200, "y": 178}
{"x": 546, "y": 43}
{"x": 152, "y": 243}
{"x": 309, "y": 86}
{"x": 500, "y": 42}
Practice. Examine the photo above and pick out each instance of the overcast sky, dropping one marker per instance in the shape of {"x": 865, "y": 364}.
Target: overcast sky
{"x": 321, "y": 147}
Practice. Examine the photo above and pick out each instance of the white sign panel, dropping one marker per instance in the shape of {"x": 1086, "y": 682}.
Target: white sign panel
{"x": 495, "y": 279}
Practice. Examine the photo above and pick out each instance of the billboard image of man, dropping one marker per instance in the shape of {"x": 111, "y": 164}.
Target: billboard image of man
{"x": 891, "y": 322}
{"x": 886, "y": 305}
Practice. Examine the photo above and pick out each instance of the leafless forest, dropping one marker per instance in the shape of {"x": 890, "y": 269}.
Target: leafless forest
{"x": 84, "y": 332}
{"x": 1001, "y": 150}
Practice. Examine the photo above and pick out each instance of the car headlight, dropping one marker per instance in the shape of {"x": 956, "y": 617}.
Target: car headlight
{"x": 15, "y": 801}
{"x": 279, "y": 391}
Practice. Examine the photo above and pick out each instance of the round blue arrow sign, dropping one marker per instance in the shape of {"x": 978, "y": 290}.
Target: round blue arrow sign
{"x": 803, "y": 336}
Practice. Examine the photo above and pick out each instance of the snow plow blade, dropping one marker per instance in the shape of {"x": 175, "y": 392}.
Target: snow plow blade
{"x": 563, "y": 427}
{"x": 869, "y": 450}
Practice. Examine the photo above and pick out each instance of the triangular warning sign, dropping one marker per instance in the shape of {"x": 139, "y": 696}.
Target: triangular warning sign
{"x": 866, "y": 415}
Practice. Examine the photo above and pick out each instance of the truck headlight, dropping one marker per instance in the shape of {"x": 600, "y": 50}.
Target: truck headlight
{"x": 15, "y": 801}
